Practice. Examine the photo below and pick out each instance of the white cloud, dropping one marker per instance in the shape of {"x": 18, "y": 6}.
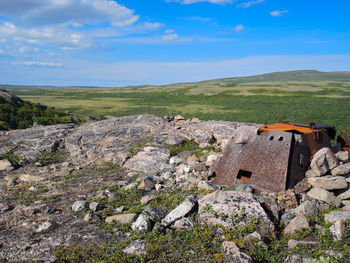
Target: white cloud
{"x": 169, "y": 31}
{"x": 42, "y": 64}
{"x": 188, "y": 2}
{"x": 278, "y": 12}
{"x": 69, "y": 11}
{"x": 239, "y": 28}
{"x": 199, "y": 19}
{"x": 250, "y": 3}
{"x": 150, "y": 26}
{"x": 171, "y": 37}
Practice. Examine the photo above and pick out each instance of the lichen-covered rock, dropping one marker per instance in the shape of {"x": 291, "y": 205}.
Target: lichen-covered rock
{"x": 182, "y": 224}
{"x": 142, "y": 224}
{"x": 156, "y": 214}
{"x": 79, "y": 206}
{"x": 229, "y": 208}
{"x": 136, "y": 248}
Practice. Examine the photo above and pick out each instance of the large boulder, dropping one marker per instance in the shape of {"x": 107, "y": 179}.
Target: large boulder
{"x": 323, "y": 161}
{"x": 230, "y": 208}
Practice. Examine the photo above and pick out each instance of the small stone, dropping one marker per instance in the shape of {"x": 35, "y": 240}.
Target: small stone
{"x": 142, "y": 224}
{"x": 195, "y": 120}
{"x": 79, "y": 206}
{"x": 130, "y": 186}
{"x": 298, "y": 222}
{"x": 88, "y": 217}
{"x": 147, "y": 198}
{"x": 30, "y": 178}
{"x": 323, "y": 161}
{"x": 181, "y": 210}
{"x": 121, "y": 219}
{"x": 102, "y": 195}
{"x": 3, "y": 208}
{"x": 65, "y": 164}
{"x": 166, "y": 175}
{"x": 341, "y": 169}
{"x": 328, "y": 182}
{"x": 132, "y": 174}
{"x": 292, "y": 243}
{"x": 253, "y": 236}
{"x": 342, "y": 156}
{"x": 184, "y": 169}
{"x": 136, "y": 248}
{"x": 301, "y": 187}
{"x": 175, "y": 160}
{"x": 44, "y": 227}
{"x": 182, "y": 224}
{"x": 338, "y": 230}
{"x": 33, "y": 188}
{"x": 192, "y": 160}
{"x": 334, "y": 216}
{"x": 146, "y": 185}
{"x": 94, "y": 206}
{"x": 211, "y": 158}
{"x": 300, "y": 259}
{"x": 5, "y": 165}
{"x": 179, "y": 118}
{"x": 158, "y": 187}
{"x": 119, "y": 209}
{"x": 203, "y": 185}
{"x": 325, "y": 196}
{"x": 233, "y": 254}
{"x": 156, "y": 214}
{"x": 37, "y": 164}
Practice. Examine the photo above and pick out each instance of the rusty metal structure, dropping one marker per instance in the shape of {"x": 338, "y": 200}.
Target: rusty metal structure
{"x": 275, "y": 159}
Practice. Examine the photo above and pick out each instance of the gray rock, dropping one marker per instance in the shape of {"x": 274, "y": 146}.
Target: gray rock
{"x": 136, "y": 248}
{"x": 79, "y": 206}
{"x": 147, "y": 184}
{"x": 5, "y": 165}
{"x": 142, "y": 224}
{"x": 253, "y": 236}
{"x": 334, "y": 216}
{"x": 345, "y": 195}
{"x": 176, "y": 160}
{"x": 156, "y": 214}
{"x": 310, "y": 207}
{"x": 329, "y": 182}
{"x": 180, "y": 211}
{"x": 300, "y": 259}
{"x": 150, "y": 160}
{"x": 324, "y": 195}
{"x": 233, "y": 254}
{"x": 297, "y": 223}
{"x": 147, "y": 198}
{"x": 323, "y": 161}
{"x": 3, "y": 208}
{"x": 44, "y": 227}
{"x": 310, "y": 173}
{"x": 292, "y": 243}
{"x": 121, "y": 219}
{"x": 338, "y": 230}
{"x": 287, "y": 217}
{"x": 130, "y": 186}
{"x": 94, "y": 206}
{"x": 229, "y": 208}
{"x": 184, "y": 169}
{"x": 203, "y": 185}
{"x": 182, "y": 224}
{"x": 342, "y": 156}
{"x": 341, "y": 169}
{"x": 166, "y": 175}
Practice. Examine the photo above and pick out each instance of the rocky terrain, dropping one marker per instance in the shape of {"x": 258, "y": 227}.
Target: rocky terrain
{"x": 134, "y": 189}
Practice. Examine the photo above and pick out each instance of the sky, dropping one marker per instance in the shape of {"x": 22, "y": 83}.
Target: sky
{"x": 131, "y": 42}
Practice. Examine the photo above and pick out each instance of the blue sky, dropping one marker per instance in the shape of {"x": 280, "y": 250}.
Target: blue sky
{"x": 130, "y": 42}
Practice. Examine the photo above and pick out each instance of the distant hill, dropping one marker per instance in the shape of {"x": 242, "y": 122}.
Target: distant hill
{"x": 291, "y": 76}
{"x": 285, "y": 76}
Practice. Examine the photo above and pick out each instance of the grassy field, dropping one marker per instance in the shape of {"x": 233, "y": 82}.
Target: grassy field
{"x": 273, "y": 100}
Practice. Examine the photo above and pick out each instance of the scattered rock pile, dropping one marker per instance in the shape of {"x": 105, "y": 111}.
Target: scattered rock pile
{"x": 142, "y": 174}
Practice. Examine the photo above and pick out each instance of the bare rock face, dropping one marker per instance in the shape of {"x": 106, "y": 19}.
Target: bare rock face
{"x": 233, "y": 254}
{"x": 150, "y": 160}
{"x": 323, "y": 161}
{"x": 6, "y": 96}
{"x": 229, "y": 208}
{"x": 107, "y": 139}
{"x": 28, "y": 143}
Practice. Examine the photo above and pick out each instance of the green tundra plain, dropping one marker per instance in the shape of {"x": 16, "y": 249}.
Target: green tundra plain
{"x": 297, "y": 96}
